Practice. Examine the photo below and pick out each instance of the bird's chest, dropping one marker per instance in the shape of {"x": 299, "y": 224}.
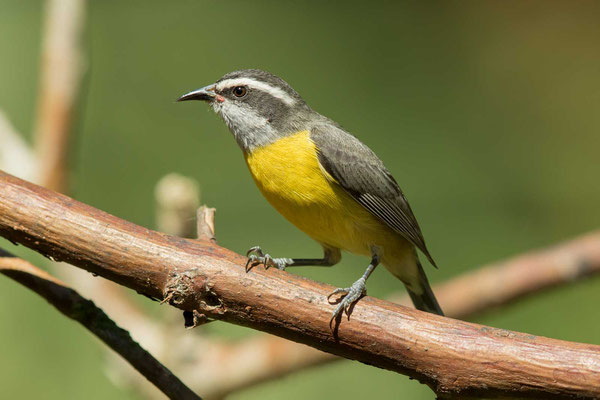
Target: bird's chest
{"x": 290, "y": 177}
{"x": 288, "y": 174}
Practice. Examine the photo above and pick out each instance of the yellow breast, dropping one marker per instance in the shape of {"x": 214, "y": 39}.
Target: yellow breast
{"x": 289, "y": 175}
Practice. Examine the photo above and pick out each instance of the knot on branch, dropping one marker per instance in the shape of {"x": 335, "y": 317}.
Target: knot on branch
{"x": 191, "y": 290}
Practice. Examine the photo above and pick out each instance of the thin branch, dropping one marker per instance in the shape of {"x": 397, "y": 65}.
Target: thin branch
{"x": 61, "y": 72}
{"x": 240, "y": 365}
{"x": 452, "y": 357}
{"x": 162, "y": 339}
{"x": 206, "y": 224}
{"x": 502, "y": 282}
{"x": 72, "y": 305}
{"x": 177, "y": 198}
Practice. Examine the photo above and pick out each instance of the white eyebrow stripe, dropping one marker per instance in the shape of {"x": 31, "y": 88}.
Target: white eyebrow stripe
{"x": 253, "y": 83}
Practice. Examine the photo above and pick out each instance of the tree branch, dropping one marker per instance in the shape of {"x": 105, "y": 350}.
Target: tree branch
{"x": 265, "y": 357}
{"x": 474, "y": 292}
{"x": 60, "y": 75}
{"x": 205, "y": 225}
{"x": 177, "y": 198}
{"x": 72, "y": 305}
{"x": 452, "y": 357}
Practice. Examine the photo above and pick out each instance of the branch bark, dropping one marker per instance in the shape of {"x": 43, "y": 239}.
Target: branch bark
{"x": 72, "y": 305}
{"x": 483, "y": 289}
{"x": 452, "y": 357}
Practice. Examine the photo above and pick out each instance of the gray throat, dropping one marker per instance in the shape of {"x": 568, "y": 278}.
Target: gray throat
{"x": 252, "y": 130}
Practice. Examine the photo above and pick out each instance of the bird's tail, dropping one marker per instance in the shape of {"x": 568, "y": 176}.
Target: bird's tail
{"x": 424, "y": 301}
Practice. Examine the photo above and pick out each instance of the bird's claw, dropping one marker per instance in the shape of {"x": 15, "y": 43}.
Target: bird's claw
{"x": 255, "y": 249}
{"x": 256, "y": 256}
{"x": 351, "y": 295}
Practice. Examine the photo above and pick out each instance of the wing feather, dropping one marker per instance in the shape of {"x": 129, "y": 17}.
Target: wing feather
{"x": 362, "y": 175}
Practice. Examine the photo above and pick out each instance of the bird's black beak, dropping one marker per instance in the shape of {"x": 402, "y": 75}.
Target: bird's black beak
{"x": 207, "y": 93}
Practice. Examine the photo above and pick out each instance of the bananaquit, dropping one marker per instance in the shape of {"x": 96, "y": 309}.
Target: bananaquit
{"x": 323, "y": 180}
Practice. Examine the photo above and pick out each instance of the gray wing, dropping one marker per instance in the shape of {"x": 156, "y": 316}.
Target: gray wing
{"x": 364, "y": 177}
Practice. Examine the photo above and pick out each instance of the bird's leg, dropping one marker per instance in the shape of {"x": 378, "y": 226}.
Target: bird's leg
{"x": 353, "y": 293}
{"x": 256, "y": 256}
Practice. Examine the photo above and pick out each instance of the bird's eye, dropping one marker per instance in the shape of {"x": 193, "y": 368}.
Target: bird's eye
{"x": 240, "y": 91}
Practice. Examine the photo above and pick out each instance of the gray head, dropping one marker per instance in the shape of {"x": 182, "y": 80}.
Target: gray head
{"x": 257, "y": 106}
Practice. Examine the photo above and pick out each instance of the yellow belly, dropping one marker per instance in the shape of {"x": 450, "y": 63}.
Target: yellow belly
{"x": 289, "y": 175}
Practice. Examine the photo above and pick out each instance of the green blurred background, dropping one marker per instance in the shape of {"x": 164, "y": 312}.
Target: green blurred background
{"x": 485, "y": 112}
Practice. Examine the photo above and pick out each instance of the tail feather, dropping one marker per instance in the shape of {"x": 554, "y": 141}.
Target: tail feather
{"x": 425, "y": 301}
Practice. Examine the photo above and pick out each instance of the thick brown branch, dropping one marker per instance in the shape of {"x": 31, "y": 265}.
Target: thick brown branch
{"x": 72, "y": 305}
{"x": 463, "y": 296}
{"x": 453, "y": 357}
{"x": 266, "y": 357}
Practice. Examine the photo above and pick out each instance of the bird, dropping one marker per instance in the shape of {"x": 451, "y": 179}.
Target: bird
{"x": 324, "y": 181}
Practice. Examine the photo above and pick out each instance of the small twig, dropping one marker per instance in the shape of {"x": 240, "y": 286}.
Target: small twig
{"x": 177, "y": 198}
{"x": 206, "y": 224}
{"x": 72, "y": 305}
{"x": 60, "y": 76}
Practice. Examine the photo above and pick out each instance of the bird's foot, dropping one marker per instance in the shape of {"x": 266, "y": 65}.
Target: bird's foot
{"x": 350, "y": 296}
{"x": 256, "y": 256}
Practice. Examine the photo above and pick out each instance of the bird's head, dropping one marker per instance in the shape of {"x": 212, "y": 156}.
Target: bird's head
{"x": 257, "y": 106}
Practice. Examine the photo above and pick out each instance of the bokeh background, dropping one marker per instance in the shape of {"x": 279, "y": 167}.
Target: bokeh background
{"x": 485, "y": 112}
